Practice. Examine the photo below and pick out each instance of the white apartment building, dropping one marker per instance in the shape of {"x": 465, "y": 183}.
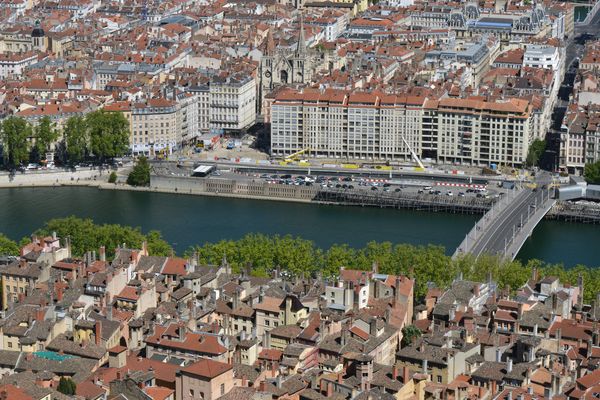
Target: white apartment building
{"x": 348, "y": 125}
{"x": 232, "y": 102}
{"x": 477, "y": 132}
{"x": 187, "y": 117}
{"x": 13, "y": 64}
{"x": 541, "y": 56}
{"x": 202, "y": 93}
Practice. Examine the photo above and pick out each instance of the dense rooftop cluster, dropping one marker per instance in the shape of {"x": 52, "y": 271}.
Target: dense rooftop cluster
{"x": 181, "y": 70}
{"x": 152, "y": 327}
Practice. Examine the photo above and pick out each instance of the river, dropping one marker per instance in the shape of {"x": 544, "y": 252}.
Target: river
{"x": 185, "y": 220}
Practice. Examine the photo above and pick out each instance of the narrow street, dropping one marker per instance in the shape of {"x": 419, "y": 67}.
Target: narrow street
{"x": 574, "y": 51}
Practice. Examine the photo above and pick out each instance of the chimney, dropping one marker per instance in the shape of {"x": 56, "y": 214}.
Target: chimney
{"x": 59, "y": 293}
{"x": 339, "y": 377}
{"x": 509, "y": 365}
{"x": 373, "y": 327}
{"x": 102, "y": 253}
{"x": 424, "y": 366}
{"x": 405, "y": 375}
{"x": 40, "y": 314}
{"x": 555, "y": 384}
{"x": 498, "y": 355}
{"x": 395, "y": 372}
{"x": 244, "y": 380}
{"x": 397, "y": 295}
{"x": 98, "y": 332}
{"x": 494, "y": 387}
{"x": 329, "y": 389}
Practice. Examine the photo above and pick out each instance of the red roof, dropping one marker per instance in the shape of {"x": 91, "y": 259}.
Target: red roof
{"x": 158, "y": 392}
{"x": 271, "y": 354}
{"x": 175, "y": 266}
{"x": 14, "y": 393}
{"x": 193, "y": 342}
{"x": 207, "y": 368}
{"x": 128, "y": 293}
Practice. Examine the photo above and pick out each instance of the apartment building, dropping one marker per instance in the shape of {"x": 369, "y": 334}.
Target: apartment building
{"x": 477, "y": 132}
{"x": 342, "y": 124}
{"x": 12, "y": 65}
{"x": 154, "y": 125}
{"x": 232, "y": 102}
{"x": 202, "y": 94}
{"x": 540, "y": 56}
{"x": 580, "y": 140}
{"x": 159, "y": 124}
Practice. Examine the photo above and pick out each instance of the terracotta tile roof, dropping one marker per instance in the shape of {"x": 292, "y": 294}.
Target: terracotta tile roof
{"x": 271, "y": 354}
{"x": 270, "y": 304}
{"x": 193, "y": 342}
{"x": 89, "y": 390}
{"x": 129, "y": 293}
{"x": 571, "y": 329}
{"x": 159, "y": 392}
{"x": 207, "y": 368}
{"x": 175, "y": 266}
{"x": 14, "y": 393}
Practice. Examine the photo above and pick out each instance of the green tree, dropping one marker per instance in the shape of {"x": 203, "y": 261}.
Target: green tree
{"x": 536, "y": 150}
{"x": 87, "y": 236}
{"x": 409, "y": 334}
{"x": 76, "y": 138}
{"x": 157, "y": 246}
{"x": 109, "y": 134}
{"x": 8, "y": 247}
{"x": 140, "y": 174}
{"x": 66, "y": 386}
{"x": 15, "y": 139}
{"x": 112, "y": 178}
{"x": 591, "y": 172}
{"x": 45, "y": 135}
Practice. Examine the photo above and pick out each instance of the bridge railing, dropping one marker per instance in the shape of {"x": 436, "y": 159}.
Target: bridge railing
{"x": 527, "y": 224}
{"x": 485, "y": 222}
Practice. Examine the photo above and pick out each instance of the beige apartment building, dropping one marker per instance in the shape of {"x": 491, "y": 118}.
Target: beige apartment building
{"x": 346, "y": 125}
{"x": 379, "y": 126}
{"x": 477, "y": 132}
{"x": 205, "y": 379}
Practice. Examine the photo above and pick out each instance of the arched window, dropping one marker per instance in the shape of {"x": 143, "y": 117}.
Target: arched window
{"x": 284, "y": 76}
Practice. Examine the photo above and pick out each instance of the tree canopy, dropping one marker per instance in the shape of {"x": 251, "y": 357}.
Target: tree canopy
{"x": 409, "y": 334}
{"x": 108, "y": 133}
{"x": 8, "y": 247}
{"x": 591, "y": 172}
{"x": 66, "y": 386}
{"x": 140, "y": 174}
{"x": 536, "y": 150}
{"x": 45, "y": 135}
{"x": 87, "y": 236}
{"x": 76, "y": 138}
{"x": 15, "y": 139}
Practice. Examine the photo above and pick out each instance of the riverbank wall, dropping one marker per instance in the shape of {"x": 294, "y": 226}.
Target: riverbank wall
{"x": 52, "y": 178}
{"x": 261, "y": 190}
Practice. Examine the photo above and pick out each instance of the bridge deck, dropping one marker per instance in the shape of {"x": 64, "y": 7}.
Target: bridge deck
{"x": 503, "y": 230}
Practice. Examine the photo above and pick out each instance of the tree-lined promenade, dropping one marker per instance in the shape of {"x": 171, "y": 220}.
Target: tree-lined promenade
{"x": 261, "y": 254}
{"x": 98, "y": 135}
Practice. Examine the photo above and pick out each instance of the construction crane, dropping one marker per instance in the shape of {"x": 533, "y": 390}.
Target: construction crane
{"x": 414, "y": 155}
{"x": 294, "y": 156}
